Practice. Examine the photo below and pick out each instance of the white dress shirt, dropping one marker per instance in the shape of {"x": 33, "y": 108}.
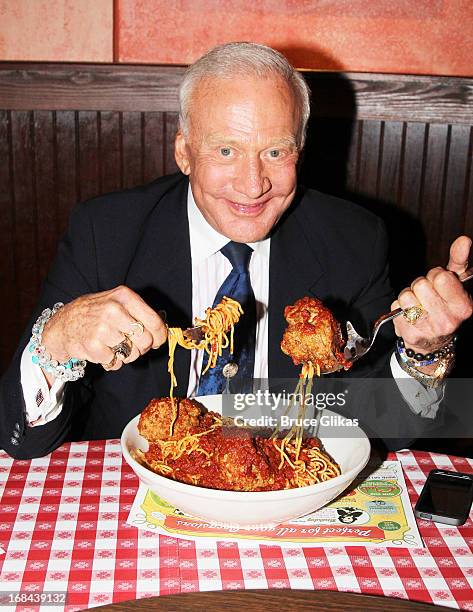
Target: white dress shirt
{"x": 209, "y": 269}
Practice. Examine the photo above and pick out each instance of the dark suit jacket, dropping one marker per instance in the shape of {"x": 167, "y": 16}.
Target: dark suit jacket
{"x": 322, "y": 247}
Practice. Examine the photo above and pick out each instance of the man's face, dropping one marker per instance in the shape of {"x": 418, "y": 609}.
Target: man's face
{"x": 241, "y": 153}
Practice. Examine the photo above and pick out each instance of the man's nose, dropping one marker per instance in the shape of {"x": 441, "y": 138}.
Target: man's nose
{"x": 251, "y": 179}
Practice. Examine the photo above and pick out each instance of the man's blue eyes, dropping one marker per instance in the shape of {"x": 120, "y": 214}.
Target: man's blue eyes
{"x": 227, "y": 151}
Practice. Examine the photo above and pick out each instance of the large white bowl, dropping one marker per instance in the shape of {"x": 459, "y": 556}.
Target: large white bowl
{"x": 252, "y": 508}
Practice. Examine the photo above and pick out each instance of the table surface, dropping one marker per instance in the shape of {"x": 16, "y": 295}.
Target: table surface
{"x": 290, "y": 600}
{"x": 63, "y": 528}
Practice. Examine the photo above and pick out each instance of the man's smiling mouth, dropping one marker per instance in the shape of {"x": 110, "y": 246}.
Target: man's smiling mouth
{"x": 248, "y": 208}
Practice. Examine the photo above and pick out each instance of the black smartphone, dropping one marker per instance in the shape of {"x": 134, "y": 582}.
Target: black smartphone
{"x": 446, "y": 497}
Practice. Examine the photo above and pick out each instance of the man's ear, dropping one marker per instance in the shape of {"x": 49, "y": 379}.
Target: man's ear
{"x": 181, "y": 153}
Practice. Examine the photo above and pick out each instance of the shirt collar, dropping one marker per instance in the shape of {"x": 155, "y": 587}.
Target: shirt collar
{"x": 205, "y": 240}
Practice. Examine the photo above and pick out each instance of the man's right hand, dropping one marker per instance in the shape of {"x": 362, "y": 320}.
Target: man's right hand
{"x": 89, "y": 326}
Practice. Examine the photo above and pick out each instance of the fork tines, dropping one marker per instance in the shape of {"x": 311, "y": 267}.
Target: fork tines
{"x": 196, "y": 334}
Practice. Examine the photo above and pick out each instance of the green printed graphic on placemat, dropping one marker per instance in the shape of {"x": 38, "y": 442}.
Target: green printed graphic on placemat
{"x": 159, "y": 501}
{"x": 379, "y": 506}
{"x": 156, "y": 509}
{"x": 389, "y": 525}
{"x": 380, "y": 488}
{"x": 372, "y": 512}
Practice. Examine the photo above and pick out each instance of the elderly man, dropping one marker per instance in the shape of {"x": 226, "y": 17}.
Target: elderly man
{"x": 161, "y": 247}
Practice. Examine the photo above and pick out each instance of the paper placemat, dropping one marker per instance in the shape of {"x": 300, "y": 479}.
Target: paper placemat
{"x": 375, "y": 510}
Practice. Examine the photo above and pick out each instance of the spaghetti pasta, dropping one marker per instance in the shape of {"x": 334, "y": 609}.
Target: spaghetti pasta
{"x": 209, "y": 451}
{"x": 313, "y": 338}
{"x": 217, "y": 327}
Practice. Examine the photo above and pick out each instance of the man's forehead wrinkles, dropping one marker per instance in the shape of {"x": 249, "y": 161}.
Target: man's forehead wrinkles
{"x": 256, "y": 139}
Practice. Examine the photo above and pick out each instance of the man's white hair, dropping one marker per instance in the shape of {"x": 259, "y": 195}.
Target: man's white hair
{"x": 244, "y": 58}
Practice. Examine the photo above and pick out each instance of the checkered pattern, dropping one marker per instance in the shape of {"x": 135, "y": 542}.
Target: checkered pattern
{"x": 63, "y": 527}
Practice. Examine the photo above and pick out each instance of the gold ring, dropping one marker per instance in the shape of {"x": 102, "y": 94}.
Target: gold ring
{"x": 413, "y": 314}
{"x": 123, "y": 349}
{"x": 140, "y": 327}
{"x": 109, "y": 366}
{"x": 120, "y": 351}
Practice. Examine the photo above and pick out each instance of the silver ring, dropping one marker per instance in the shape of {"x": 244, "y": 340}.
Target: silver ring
{"x": 135, "y": 324}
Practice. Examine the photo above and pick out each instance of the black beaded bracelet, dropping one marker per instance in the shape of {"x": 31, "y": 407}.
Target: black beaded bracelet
{"x": 421, "y": 359}
{"x": 431, "y": 381}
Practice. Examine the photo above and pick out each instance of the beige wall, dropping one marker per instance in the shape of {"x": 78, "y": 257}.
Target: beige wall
{"x": 403, "y": 36}
{"x": 56, "y": 30}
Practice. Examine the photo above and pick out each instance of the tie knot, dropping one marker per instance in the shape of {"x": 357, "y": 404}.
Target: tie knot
{"x": 238, "y": 254}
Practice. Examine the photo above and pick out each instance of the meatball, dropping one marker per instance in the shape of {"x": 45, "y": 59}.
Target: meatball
{"x": 313, "y": 335}
{"x": 155, "y": 420}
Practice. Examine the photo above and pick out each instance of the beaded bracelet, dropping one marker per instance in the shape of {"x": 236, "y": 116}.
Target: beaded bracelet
{"x": 421, "y": 360}
{"x": 68, "y": 371}
{"x": 433, "y": 380}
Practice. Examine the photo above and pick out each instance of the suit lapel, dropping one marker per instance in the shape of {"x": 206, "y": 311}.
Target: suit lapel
{"x": 161, "y": 272}
{"x": 295, "y": 272}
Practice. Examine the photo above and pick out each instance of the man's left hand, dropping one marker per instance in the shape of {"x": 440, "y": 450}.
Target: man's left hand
{"x": 444, "y": 301}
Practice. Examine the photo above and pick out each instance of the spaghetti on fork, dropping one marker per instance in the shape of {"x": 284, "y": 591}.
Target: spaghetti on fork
{"x": 217, "y": 328}
{"x": 312, "y": 338}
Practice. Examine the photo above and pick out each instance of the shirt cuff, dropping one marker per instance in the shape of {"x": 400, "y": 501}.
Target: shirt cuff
{"x": 422, "y": 401}
{"x": 42, "y": 404}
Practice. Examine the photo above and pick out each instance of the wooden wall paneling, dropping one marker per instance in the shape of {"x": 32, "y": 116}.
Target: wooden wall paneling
{"x": 45, "y": 189}
{"x": 412, "y": 166}
{"x": 25, "y": 214}
{"x": 153, "y": 145}
{"x": 132, "y": 155}
{"x": 428, "y": 99}
{"x": 410, "y": 261}
{"x": 455, "y": 187}
{"x": 390, "y": 161}
{"x": 110, "y": 151}
{"x": 170, "y": 128}
{"x": 433, "y": 194}
{"x": 468, "y": 196}
{"x": 88, "y": 154}
{"x": 9, "y": 314}
{"x": 398, "y": 199}
{"x": 82, "y": 87}
{"x": 67, "y": 179}
{"x": 370, "y": 153}
{"x": 353, "y": 157}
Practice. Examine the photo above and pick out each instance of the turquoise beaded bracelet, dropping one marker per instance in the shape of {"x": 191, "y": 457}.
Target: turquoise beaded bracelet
{"x": 68, "y": 371}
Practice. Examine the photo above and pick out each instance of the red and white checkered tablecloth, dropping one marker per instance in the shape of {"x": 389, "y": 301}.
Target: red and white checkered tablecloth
{"x": 62, "y": 527}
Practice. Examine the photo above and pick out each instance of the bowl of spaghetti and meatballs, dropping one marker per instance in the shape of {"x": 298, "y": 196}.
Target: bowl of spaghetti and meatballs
{"x": 208, "y": 468}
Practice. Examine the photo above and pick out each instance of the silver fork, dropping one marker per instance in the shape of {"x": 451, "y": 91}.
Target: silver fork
{"x": 357, "y": 346}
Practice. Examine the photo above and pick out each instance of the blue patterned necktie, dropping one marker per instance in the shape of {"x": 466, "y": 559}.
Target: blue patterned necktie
{"x": 237, "y": 286}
